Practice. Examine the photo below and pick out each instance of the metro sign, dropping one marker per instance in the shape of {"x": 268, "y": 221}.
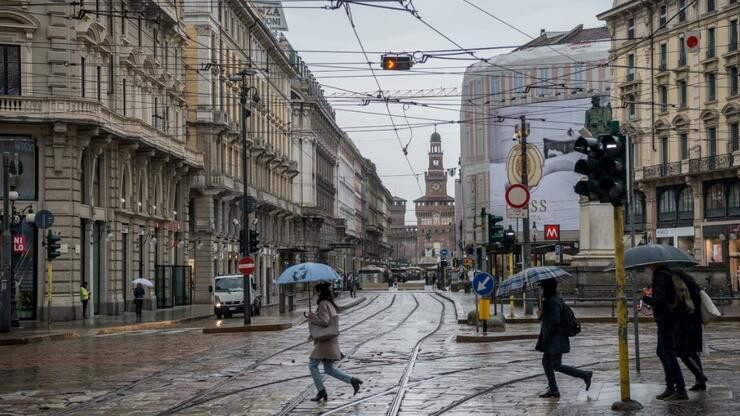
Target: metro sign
{"x": 552, "y": 232}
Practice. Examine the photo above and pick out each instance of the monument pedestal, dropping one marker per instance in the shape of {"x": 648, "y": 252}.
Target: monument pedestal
{"x": 596, "y": 245}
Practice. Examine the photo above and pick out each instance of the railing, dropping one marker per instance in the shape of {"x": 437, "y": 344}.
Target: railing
{"x": 662, "y": 170}
{"x": 709, "y": 163}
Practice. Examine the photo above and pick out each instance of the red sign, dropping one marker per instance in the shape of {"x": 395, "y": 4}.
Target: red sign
{"x": 19, "y": 244}
{"x": 552, "y": 232}
{"x": 517, "y": 196}
{"x": 246, "y": 265}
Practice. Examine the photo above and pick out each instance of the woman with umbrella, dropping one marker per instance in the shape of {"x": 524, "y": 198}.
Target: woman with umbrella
{"x": 327, "y": 351}
{"x": 139, "y": 295}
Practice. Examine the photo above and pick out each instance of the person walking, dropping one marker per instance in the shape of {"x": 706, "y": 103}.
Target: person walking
{"x": 553, "y": 342}
{"x": 689, "y": 333}
{"x": 352, "y": 281}
{"x": 84, "y": 297}
{"x": 662, "y": 301}
{"x": 326, "y": 352}
{"x": 138, "y": 300}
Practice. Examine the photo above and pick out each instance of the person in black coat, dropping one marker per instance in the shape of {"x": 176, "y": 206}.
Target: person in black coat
{"x": 663, "y": 301}
{"x": 553, "y": 341}
{"x": 689, "y": 334}
{"x": 138, "y": 300}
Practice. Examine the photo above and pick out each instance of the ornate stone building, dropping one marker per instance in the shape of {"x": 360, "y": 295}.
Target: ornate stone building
{"x": 435, "y": 211}
{"x": 681, "y": 108}
{"x": 404, "y": 237}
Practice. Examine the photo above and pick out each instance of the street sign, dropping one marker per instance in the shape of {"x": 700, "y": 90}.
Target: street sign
{"x": 468, "y": 262}
{"x": 246, "y": 265}
{"x": 552, "y": 232}
{"x": 558, "y": 250}
{"x": 444, "y": 252}
{"x": 251, "y": 204}
{"x": 44, "y": 219}
{"x": 483, "y": 284}
{"x": 516, "y": 213}
{"x": 517, "y": 196}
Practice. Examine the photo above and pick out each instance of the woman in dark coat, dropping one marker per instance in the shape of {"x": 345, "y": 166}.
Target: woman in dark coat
{"x": 327, "y": 351}
{"x": 553, "y": 341}
{"x": 689, "y": 334}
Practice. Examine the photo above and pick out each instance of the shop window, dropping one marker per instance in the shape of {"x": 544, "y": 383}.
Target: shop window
{"x": 714, "y": 205}
{"x": 25, "y": 148}
{"x": 10, "y": 70}
{"x": 733, "y": 199}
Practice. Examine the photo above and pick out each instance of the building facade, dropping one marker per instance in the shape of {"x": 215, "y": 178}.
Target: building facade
{"x": 435, "y": 211}
{"x": 551, "y": 81}
{"x": 681, "y": 109}
{"x": 404, "y": 237}
{"x": 376, "y": 218}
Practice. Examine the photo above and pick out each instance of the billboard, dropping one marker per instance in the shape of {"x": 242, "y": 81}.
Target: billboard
{"x": 553, "y": 129}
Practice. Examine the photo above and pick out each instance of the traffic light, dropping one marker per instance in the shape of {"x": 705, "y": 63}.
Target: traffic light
{"x": 254, "y": 241}
{"x": 604, "y": 167}
{"x": 495, "y": 231}
{"x": 243, "y": 250}
{"x": 52, "y": 246}
{"x": 509, "y": 240}
{"x": 397, "y": 62}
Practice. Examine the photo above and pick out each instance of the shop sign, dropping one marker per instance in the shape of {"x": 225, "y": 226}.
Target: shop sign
{"x": 674, "y": 232}
{"x": 19, "y": 244}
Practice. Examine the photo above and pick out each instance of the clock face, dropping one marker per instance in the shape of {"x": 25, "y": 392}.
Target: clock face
{"x": 435, "y": 186}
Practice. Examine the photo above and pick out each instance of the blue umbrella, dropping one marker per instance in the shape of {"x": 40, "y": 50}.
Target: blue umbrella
{"x": 529, "y": 279}
{"x": 307, "y": 272}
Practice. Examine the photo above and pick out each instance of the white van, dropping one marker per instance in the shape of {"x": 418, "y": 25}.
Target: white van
{"x": 228, "y": 296}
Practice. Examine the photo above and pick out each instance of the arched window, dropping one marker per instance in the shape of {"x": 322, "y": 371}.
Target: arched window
{"x": 715, "y": 201}
{"x": 667, "y": 205}
{"x": 97, "y": 191}
{"x": 733, "y": 199}
{"x": 686, "y": 200}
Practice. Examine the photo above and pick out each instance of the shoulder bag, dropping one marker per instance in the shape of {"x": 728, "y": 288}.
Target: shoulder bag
{"x": 709, "y": 311}
{"x": 324, "y": 333}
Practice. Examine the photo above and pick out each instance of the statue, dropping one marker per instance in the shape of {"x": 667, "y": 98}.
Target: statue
{"x": 598, "y": 118}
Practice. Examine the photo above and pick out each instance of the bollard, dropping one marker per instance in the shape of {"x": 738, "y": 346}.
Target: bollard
{"x": 484, "y": 312}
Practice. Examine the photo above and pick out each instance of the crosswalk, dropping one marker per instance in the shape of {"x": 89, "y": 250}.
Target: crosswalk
{"x": 150, "y": 332}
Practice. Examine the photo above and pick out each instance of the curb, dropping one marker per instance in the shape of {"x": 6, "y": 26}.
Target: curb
{"x": 465, "y": 339}
{"x": 35, "y": 339}
{"x": 149, "y": 325}
{"x": 459, "y": 311}
{"x": 249, "y": 328}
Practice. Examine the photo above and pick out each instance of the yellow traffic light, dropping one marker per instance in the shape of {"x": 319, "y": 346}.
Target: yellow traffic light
{"x": 396, "y": 62}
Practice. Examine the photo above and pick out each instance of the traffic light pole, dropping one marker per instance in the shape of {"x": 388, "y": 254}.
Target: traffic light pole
{"x": 245, "y": 206}
{"x": 5, "y": 282}
{"x": 526, "y": 249}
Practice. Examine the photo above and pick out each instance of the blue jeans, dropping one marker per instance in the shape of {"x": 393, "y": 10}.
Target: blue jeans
{"x": 313, "y": 366}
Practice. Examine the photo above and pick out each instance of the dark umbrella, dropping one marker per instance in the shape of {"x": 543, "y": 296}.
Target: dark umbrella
{"x": 648, "y": 254}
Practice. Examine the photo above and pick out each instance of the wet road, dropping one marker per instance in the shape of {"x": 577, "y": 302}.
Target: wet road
{"x": 401, "y": 344}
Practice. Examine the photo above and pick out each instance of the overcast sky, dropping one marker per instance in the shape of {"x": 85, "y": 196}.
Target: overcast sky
{"x": 396, "y": 31}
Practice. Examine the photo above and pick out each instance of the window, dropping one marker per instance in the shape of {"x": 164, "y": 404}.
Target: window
{"x": 111, "y": 77}
{"x": 97, "y": 191}
{"x": 518, "y": 83}
{"x": 710, "y": 5}
{"x": 631, "y": 29}
{"x": 711, "y": 80}
{"x": 663, "y": 56}
{"x": 155, "y": 41}
{"x": 715, "y": 201}
{"x": 99, "y": 81}
{"x": 664, "y": 150}
{"x": 681, "y": 10}
{"x": 686, "y": 200}
{"x": 663, "y": 92}
{"x": 631, "y": 110}
{"x": 630, "y": 67}
{"x": 663, "y": 16}
{"x": 138, "y": 31}
{"x": 733, "y": 199}
{"x": 712, "y": 141}
{"x": 733, "y": 36}
{"x": 682, "y": 93}
{"x": 544, "y": 82}
{"x": 734, "y": 137}
{"x": 733, "y": 81}
{"x": 84, "y": 175}
{"x": 681, "y": 52}
{"x": 666, "y": 204}
{"x": 123, "y": 94}
{"x": 577, "y": 77}
{"x": 683, "y": 139}
{"x": 124, "y": 19}
{"x": 711, "y": 44}
{"x": 10, "y": 70}
{"x": 495, "y": 88}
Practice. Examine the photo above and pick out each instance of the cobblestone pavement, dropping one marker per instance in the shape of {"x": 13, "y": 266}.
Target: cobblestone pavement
{"x": 402, "y": 344}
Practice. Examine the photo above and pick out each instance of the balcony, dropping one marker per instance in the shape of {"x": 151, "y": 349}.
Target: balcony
{"x": 219, "y": 181}
{"x": 662, "y": 170}
{"x": 711, "y": 163}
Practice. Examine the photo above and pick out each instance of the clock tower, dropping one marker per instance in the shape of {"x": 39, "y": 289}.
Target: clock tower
{"x": 435, "y": 210}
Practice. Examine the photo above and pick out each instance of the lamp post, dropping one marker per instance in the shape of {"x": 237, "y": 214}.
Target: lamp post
{"x": 241, "y": 76}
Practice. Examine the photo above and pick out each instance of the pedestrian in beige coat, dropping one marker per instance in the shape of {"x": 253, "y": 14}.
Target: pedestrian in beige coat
{"x": 327, "y": 351}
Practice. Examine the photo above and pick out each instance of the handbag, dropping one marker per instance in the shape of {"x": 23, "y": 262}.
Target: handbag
{"x": 709, "y": 311}
{"x": 324, "y": 333}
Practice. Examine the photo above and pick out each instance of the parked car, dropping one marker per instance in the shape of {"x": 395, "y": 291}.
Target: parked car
{"x": 228, "y": 296}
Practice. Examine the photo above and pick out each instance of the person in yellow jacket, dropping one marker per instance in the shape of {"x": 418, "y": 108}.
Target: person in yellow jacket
{"x": 84, "y": 297}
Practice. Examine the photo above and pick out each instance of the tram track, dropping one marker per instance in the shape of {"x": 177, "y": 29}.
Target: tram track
{"x": 202, "y": 398}
{"x": 198, "y": 356}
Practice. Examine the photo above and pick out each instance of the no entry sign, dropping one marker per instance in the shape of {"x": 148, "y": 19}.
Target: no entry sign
{"x": 517, "y": 196}
{"x": 246, "y": 265}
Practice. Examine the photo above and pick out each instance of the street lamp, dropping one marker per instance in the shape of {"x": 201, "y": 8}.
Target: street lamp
{"x": 241, "y": 76}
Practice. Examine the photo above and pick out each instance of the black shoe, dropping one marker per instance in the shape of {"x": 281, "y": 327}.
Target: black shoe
{"x": 550, "y": 393}
{"x": 668, "y": 391}
{"x": 699, "y": 386}
{"x": 678, "y": 395}
{"x": 355, "y": 382}
{"x": 587, "y": 379}
{"x": 319, "y": 396}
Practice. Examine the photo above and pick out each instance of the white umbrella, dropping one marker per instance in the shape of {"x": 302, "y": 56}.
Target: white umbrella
{"x": 143, "y": 281}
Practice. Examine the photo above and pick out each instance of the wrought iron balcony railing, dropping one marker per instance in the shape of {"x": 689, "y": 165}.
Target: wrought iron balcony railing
{"x": 710, "y": 163}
